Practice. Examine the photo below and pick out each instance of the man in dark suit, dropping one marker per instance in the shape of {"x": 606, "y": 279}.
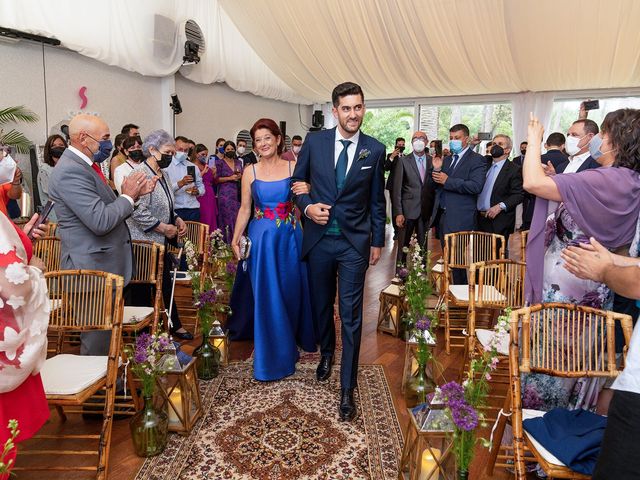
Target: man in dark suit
{"x": 345, "y": 230}
{"x": 577, "y": 142}
{"x": 502, "y": 192}
{"x": 91, "y": 219}
{"x": 551, "y": 161}
{"x": 519, "y": 160}
{"x": 389, "y": 166}
{"x": 459, "y": 179}
{"x": 413, "y": 195}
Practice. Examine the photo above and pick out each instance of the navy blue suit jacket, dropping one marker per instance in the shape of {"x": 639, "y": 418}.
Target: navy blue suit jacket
{"x": 459, "y": 194}
{"x": 589, "y": 163}
{"x": 360, "y": 206}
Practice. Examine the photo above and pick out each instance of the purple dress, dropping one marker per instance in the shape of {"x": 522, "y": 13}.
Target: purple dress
{"x": 228, "y": 204}
{"x": 208, "y": 202}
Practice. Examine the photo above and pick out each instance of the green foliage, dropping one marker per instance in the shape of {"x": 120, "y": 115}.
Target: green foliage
{"x": 13, "y": 137}
{"x": 387, "y": 124}
{"x": 472, "y": 116}
{"x": 7, "y": 465}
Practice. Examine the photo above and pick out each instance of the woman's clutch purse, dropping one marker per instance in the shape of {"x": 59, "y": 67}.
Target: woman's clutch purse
{"x": 245, "y": 247}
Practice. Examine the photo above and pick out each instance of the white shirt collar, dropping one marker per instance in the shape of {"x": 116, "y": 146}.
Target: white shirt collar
{"x": 580, "y": 158}
{"x": 354, "y": 140}
{"x": 87, "y": 160}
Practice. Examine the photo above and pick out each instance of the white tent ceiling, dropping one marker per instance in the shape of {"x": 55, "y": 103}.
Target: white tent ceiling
{"x": 298, "y": 50}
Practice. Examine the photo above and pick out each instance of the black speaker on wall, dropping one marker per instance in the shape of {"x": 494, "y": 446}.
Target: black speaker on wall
{"x": 283, "y": 128}
{"x": 317, "y": 120}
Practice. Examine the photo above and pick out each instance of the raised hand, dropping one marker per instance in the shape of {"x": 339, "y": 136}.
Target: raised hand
{"x": 535, "y": 129}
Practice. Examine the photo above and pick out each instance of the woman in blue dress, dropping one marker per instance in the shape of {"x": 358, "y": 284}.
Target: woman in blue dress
{"x": 282, "y": 318}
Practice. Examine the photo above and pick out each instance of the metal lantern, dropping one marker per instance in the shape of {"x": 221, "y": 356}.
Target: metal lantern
{"x": 180, "y": 393}
{"x": 220, "y": 340}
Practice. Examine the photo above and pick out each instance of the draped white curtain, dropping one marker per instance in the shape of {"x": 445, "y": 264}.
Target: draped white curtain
{"x": 541, "y": 104}
{"x": 147, "y": 37}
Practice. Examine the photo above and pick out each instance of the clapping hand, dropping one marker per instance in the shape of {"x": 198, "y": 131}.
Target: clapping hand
{"x": 439, "y": 177}
{"x": 549, "y": 169}
{"x": 437, "y": 163}
{"x": 137, "y": 184}
{"x": 588, "y": 261}
{"x": 535, "y": 130}
{"x": 300, "y": 188}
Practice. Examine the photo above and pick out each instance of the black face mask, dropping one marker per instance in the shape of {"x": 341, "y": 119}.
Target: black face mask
{"x": 400, "y": 149}
{"x": 165, "y": 160}
{"x": 497, "y": 151}
{"x": 136, "y": 155}
{"x": 523, "y": 152}
{"x": 230, "y": 154}
{"x": 56, "y": 152}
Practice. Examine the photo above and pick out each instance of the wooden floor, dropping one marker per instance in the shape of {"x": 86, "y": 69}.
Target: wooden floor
{"x": 376, "y": 349}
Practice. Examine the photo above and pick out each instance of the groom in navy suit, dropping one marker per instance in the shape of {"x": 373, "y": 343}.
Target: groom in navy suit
{"x": 345, "y": 230}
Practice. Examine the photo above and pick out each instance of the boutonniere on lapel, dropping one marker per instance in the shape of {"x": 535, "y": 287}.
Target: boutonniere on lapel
{"x": 364, "y": 153}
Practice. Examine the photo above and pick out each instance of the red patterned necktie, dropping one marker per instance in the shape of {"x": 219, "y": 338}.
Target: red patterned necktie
{"x": 98, "y": 170}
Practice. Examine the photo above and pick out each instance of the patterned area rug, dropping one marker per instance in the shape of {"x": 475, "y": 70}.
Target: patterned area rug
{"x": 287, "y": 429}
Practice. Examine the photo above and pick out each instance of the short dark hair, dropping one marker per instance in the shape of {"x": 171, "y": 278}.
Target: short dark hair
{"x": 219, "y": 140}
{"x": 622, "y": 128}
{"x": 270, "y": 125}
{"x": 589, "y": 125}
{"x": 48, "y": 159}
{"x": 117, "y": 142}
{"x": 460, "y": 127}
{"x": 524, "y": 143}
{"x": 556, "y": 139}
{"x": 400, "y": 139}
{"x": 296, "y": 137}
{"x": 344, "y": 89}
{"x": 127, "y": 128}
{"x": 227, "y": 143}
{"x": 131, "y": 141}
{"x": 201, "y": 148}
{"x": 181, "y": 138}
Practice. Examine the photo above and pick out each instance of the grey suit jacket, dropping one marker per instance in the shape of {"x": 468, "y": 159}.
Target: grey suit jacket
{"x": 409, "y": 196}
{"x": 91, "y": 219}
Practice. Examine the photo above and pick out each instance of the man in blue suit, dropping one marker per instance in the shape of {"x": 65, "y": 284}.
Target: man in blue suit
{"x": 459, "y": 179}
{"x": 345, "y": 230}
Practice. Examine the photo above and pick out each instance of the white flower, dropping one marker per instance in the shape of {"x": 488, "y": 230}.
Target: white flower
{"x": 16, "y": 273}
{"x": 5, "y": 246}
{"x": 16, "y": 301}
{"x": 12, "y": 341}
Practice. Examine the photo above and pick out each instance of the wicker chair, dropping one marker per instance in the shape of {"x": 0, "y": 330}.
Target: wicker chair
{"x": 461, "y": 249}
{"x": 198, "y": 234}
{"x": 149, "y": 264}
{"x": 524, "y": 237}
{"x": 541, "y": 343}
{"x": 48, "y": 250}
{"x": 52, "y": 229}
{"x": 85, "y": 301}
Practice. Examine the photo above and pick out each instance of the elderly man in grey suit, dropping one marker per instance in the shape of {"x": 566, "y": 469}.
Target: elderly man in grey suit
{"x": 91, "y": 218}
{"x": 412, "y": 195}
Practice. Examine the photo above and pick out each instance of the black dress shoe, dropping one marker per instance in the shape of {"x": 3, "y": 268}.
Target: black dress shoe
{"x": 182, "y": 335}
{"x": 323, "y": 372}
{"x": 347, "y": 405}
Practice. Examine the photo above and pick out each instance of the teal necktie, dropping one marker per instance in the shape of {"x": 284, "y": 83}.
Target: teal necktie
{"x": 341, "y": 165}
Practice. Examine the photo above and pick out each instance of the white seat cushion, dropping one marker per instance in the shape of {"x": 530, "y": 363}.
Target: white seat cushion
{"x": 438, "y": 268}
{"x": 489, "y": 292}
{"x": 135, "y": 314}
{"x": 182, "y": 276}
{"x": 69, "y": 374}
{"x": 392, "y": 290}
{"x": 484, "y": 337}
{"x": 544, "y": 453}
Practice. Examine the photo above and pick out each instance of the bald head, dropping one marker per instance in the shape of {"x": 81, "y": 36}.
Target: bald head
{"x": 85, "y": 131}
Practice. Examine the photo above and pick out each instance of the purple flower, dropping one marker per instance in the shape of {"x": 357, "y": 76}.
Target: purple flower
{"x": 464, "y": 416}
{"x": 143, "y": 341}
{"x": 207, "y": 297}
{"x": 423, "y": 323}
{"x": 232, "y": 268}
{"x": 403, "y": 273}
{"x": 453, "y": 391}
{"x": 140, "y": 356}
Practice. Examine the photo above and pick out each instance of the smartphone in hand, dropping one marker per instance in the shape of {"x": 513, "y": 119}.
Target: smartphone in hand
{"x": 191, "y": 171}
{"x": 42, "y": 217}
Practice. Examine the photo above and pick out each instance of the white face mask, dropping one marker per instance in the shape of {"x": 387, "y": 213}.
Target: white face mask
{"x": 7, "y": 169}
{"x": 571, "y": 145}
{"x": 296, "y": 149}
{"x": 240, "y": 151}
{"x": 432, "y": 151}
{"x": 418, "y": 145}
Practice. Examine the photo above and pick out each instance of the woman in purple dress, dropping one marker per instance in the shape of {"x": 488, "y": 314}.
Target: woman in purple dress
{"x": 228, "y": 175}
{"x": 602, "y": 203}
{"x": 208, "y": 201}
